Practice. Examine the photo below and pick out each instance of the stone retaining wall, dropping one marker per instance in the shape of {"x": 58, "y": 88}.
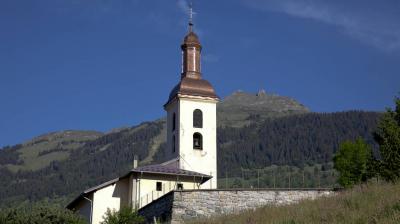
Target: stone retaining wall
{"x": 179, "y": 206}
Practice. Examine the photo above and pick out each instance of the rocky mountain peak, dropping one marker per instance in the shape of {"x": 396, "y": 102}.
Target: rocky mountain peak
{"x": 241, "y": 106}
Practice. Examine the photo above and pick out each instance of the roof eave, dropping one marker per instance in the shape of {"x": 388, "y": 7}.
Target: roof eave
{"x": 194, "y": 96}
{"x": 173, "y": 174}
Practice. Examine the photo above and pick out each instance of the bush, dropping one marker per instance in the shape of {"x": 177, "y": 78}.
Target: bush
{"x": 126, "y": 215}
{"x": 388, "y": 138}
{"x": 43, "y": 214}
{"x": 352, "y": 162}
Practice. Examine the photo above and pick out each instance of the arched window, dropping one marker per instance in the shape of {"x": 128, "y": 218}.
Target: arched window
{"x": 197, "y": 118}
{"x": 197, "y": 141}
{"x": 173, "y": 144}
{"x": 173, "y": 122}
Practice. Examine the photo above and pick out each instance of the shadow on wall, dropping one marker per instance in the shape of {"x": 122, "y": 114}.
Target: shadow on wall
{"x": 121, "y": 191}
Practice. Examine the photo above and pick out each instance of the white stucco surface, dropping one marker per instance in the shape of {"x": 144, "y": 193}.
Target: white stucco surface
{"x": 147, "y": 189}
{"x": 111, "y": 197}
{"x": 136, "y": 190}
{"x": 84, "y": 208}
{"x": 173, "y": 108}
{"x": 204, "y": 160}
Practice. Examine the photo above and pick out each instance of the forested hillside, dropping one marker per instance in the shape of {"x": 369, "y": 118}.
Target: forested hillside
{"x": 296, "y": 140}
{"x": 289, "y": 136}
{"x": 96, "y": 161}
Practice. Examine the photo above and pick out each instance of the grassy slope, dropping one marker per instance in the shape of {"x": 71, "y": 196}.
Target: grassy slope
{"x": 372, "y": 203}
{"x": 68, "y": 140}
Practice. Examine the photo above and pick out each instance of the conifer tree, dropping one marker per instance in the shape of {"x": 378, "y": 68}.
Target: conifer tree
{"x": 388, "y": 138}
{"x": 352, "y": 162}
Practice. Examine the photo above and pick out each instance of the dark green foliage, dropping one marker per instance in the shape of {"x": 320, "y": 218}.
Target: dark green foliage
{"x": 299, "y": 140}
{"x": 352, "y": 162}
{"x": 388, "y": 138}
{"x": 282, "y": 177}
{"x": 87, "y": 166}
{"x": 295, "y": 141}
{"x": 40, "y": 214}
{"x": 9, "y": 155}
{"x": 126, "y": 215}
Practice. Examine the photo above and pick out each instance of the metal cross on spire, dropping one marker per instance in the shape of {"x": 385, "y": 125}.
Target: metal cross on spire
{"x": 191, "y": 13}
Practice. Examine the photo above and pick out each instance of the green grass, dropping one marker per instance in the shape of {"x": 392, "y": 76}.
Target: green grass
{"x": 155, "y": 144}
{"x": 69, "y": 140}
{"x": 369, "y": 203}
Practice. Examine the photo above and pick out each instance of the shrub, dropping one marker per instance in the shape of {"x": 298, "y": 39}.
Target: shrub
{"x": 43, "y": 214}
{"x": 126, "y": 215}
{"x": 388, "y": 138}
{"x": 352, "y": 162}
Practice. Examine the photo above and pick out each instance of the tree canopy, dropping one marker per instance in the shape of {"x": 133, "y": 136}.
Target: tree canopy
{"x": 388, "y": 138}
{"x": 126, "y": 215}
{"x": 352, "y": 162}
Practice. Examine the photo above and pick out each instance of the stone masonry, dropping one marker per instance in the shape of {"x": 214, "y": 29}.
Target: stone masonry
{"x": 180, "y": 206}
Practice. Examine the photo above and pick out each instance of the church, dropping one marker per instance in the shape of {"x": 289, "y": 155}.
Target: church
{"x": 191, "y": 156}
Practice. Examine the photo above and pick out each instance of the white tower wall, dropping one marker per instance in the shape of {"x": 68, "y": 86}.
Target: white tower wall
{"x": 200, "y": 160}
{"x": 172, "y": 108}
{"x": 193, "y": 93}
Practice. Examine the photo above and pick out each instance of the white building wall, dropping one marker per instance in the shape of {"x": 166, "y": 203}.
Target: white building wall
{"x": 172, "y": 108}
{"x": 140, "y": 192}
{"x": 111, "y": 197}
{"x": 147, "y": 190}
{"x": 205, "y": 160}
{"x": 84, "y": 208}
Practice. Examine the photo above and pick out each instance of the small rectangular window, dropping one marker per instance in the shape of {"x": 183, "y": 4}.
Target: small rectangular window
{"x": 159, "y": 186}
{"x": 173, "y": 144}
{"x": 173, "y": 122}
{"x": 180, "y": 186}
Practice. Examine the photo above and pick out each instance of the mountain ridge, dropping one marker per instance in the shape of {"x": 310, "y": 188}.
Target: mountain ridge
{"x": 234, "y": 110}
{"x": 65, "y": 166}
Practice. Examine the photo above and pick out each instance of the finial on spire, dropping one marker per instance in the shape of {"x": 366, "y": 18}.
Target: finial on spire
{"x": 191, "y": 13}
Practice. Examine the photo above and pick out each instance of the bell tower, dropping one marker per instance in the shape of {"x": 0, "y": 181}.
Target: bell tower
{"x": 191, "y": 115}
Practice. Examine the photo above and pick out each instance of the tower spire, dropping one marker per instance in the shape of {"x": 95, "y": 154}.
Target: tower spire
{"x": 191, "y": 17}
{"x": 191, "y": 51}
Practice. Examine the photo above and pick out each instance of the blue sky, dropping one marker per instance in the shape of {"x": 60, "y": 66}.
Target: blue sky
{"x": 98, "y": 65}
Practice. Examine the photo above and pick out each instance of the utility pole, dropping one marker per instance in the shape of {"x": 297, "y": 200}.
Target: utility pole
{"x": 242, "y": 175}
{"x": 226, "y": 178}
{"x": 319, "y": 180}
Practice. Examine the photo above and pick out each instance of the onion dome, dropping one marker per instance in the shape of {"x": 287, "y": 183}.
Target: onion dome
{"x": 191, "y": 83}
{"x": 193, "y": 87}
{"x": 191, "y": 40}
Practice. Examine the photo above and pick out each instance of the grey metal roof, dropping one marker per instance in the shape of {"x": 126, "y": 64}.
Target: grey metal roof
{"x": 105, "y": 184}
{"x": 165, "y": 169}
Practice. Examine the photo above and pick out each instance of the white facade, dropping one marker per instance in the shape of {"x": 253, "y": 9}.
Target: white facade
{"x": 199, "y": 160}
{"x": 147, "y": 191}
{"x": 135, "y": 190}
{"x": 111, "y": 197}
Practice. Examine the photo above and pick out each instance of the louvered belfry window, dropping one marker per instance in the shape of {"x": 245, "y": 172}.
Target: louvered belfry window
{"x": 197, "y": 119}
{"x": 197, "y": 141}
